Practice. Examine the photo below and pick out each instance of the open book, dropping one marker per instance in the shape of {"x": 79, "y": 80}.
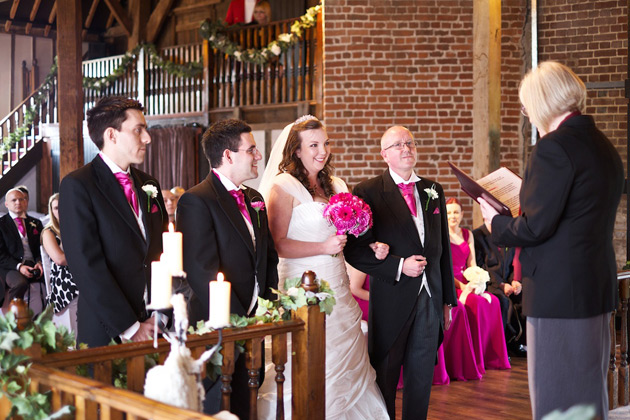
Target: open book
{"x": 500, "y": 189}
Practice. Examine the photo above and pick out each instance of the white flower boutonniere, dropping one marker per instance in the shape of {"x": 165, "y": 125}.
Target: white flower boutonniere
{"x": 432, "y": 195}
{"x": 151, "y": 191}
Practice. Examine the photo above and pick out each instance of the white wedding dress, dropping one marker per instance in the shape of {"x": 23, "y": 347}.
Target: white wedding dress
{"x": 351, "y": 390}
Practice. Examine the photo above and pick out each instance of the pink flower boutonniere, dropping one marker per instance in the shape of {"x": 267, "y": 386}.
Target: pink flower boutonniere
{"x": 34, "y": 226}
{"x": 258, "y": 206}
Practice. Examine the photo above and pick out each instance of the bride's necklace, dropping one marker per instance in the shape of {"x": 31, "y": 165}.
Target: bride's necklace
{"x": 319, "y": 192}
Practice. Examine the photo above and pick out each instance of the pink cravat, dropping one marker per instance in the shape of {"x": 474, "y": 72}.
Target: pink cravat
{"x": 20, "y": 225}
{"x": 125, "y": 183}
{"x": 240, "y": 201}
{"x": 407, "y": 192}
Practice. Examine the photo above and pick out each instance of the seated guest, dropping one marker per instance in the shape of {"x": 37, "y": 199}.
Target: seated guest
{"x": 240, "y": 11}
{"x": 20, "y": 260}
{"x": 262, "y": 12}
{"x": 63, "y": 291}
{"x": 505, "y": 274}
{"x": 484, "y": 312}
{"x": 170, "y": 202}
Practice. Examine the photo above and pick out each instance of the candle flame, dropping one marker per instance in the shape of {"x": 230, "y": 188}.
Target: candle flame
{"x": 220, "y": 276}
{"x": 171, "y": 228}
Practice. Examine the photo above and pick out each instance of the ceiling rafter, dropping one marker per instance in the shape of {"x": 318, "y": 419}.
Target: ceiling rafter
{"x": 51, "y": 18}
{"x": 89, "y": 18}
{"x": 14, "y": 7}
{"x": 34, "y": 11}
{"x": 121, "y": 15}
{"x": 157, "y": 18}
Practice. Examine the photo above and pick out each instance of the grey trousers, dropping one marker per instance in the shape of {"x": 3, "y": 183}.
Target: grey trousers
{"x": 567, "y": 363}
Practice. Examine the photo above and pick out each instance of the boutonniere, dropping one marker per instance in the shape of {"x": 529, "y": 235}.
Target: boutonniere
{"x": 258, "y": 206}
{"x": 432, "y": 195}
{"x": 150, "y": 189}
{"x": 34, "y": 226}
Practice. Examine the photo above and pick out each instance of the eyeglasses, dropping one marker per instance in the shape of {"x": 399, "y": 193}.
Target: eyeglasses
{"x": 411, "y": 144}
{"x": 524, "y": 111}
{"x": 252, "y": 150}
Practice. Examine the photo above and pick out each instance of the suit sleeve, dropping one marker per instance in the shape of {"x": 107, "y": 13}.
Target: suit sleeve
{"x": 272, "y": 265}
{"x": 85, "y": 254}
{"x": 449, "y": 296}
{"x": 7, "y": 261}
{"x": 201, "y": 253}
{"x": 543, "y": 199}
{"x": 359, "y": 254}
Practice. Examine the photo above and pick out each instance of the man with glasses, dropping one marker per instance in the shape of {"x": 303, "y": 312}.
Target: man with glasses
{"x": 412, "y": 290}
{"x": 222, "y": 232}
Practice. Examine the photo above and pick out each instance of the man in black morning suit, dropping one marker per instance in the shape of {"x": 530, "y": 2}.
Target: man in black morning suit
{"x": 412, "y": 290}
{"x": 111, "y": 228}
{"x": 19, "y": 248}
{"x": 223, "y": 233}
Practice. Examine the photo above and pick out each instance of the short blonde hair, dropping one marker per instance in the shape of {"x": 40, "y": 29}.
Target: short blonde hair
{"x": 549, "y": 91}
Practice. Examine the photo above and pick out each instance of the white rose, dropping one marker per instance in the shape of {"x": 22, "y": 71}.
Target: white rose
{"x": 275, "y": 49}
{"x": 237, "y": 55}
{"x": 284, "y": 38}
{"x": 293, "y": 291}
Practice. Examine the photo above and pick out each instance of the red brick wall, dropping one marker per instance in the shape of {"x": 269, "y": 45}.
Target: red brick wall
{"x": 409, "y": 62}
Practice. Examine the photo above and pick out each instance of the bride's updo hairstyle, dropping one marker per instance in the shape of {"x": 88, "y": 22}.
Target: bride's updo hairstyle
{"x": 292, "y": 165}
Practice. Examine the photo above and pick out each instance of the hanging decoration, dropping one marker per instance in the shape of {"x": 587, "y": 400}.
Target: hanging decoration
{"x": 214, "y": 32}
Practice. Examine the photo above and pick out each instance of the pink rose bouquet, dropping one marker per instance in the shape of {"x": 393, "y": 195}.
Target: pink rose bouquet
{"x": 348, "y": 214}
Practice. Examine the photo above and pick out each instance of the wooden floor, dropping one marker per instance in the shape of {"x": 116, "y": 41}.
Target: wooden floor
{"x": 499, "y": 395}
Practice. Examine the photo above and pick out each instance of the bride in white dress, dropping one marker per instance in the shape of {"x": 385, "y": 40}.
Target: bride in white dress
{"x": 305, "y": 241}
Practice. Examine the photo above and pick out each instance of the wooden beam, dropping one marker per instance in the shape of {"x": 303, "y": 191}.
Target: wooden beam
{"x": 140, "y": 10}
{"x": 34, "y": 10}
{"x": 158, "y": 16}
{"x": 70, "y": 91}
{"x": 89, "y": 18}
{"x": 120, "y": 15}
{"x": 51, "y": 18}
{"x": 14, "y": 6}
{"x": 486, "y": 90}
{"x": 193, "y": 7}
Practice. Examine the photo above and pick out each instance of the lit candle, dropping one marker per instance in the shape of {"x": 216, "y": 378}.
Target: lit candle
{"x": 172, "y": 245}
{"x": 161, "y": 286}
{"x": 219, "y": 302}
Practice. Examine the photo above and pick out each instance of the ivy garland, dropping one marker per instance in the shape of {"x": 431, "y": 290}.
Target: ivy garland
{"x": 188, "y": 70}
{"x": 214, "y": 32}
{"x": 14, "y": 380}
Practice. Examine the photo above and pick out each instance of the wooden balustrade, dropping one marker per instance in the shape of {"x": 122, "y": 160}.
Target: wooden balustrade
{"x": 619, "y": 373}
{"x": 93, "y": 396}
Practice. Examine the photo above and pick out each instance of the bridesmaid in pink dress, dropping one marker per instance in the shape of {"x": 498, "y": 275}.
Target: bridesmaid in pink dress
{"x": 486, "y": 326}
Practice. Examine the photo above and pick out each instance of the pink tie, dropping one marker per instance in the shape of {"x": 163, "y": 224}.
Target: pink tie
{"x": 407, "y": 192}
{"x": 240, "y": 201}
{"x": 20, "y": 225}
{"x": 125, "y": 183}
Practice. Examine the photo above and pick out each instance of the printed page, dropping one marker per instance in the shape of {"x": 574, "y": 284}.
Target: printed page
{"x": 505, "y": 185}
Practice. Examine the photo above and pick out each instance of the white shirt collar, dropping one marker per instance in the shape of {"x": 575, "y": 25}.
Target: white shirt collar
{"x": 13, "y": 215}
{"x": 229, "y": 185}
{"x": 398, "y": 179}
{"x": 111, "y": 165}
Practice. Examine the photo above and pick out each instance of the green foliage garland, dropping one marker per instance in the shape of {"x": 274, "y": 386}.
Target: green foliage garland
{"x": 14, "y": 380}
{"x": 214, "y": 32}
{"x": 188, "y": 70}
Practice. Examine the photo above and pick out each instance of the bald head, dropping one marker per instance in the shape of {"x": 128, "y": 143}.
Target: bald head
{"x": 398, "y": 150}
{"x": 394, "y": 135}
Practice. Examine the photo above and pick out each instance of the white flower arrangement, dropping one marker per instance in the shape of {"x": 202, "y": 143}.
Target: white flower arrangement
{"x": 432, "y": 195}
{"x": 477, "y": 278}
{"x": 150, "y": 190}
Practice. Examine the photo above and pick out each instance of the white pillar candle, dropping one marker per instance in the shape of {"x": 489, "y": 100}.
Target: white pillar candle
{"x": 219, "y": 302}
{"x": 172, "y": 245}
{"x": 161, "y": 285}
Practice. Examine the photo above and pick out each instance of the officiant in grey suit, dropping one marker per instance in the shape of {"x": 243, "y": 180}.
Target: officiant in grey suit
{"x": 571, "y": 188}
{"x": 412, "y": 290}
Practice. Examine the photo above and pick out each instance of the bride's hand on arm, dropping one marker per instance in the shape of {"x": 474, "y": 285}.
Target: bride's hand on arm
{"x": 380, "y": 250}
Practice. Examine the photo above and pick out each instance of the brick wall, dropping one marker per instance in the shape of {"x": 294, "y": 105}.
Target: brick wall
{"x": 409, "y": 62}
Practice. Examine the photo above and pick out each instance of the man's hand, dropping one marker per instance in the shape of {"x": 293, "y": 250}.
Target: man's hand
{"x": 25, "y": 270}
{"x": 414, "y": 266}
{"x": 39, "y": 267}
{"x": 518, "y": 287}
{"x": 447, "y": 317}
{"x": 507, "y": 289}
{"x": 145, "y": 332}
{"x": 380, "y": 250}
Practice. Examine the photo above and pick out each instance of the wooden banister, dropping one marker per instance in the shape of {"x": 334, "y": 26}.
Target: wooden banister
{"x": 619, "y": 376}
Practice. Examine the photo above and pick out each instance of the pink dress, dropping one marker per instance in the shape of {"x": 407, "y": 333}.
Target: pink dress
{"x": 484, "y": 319}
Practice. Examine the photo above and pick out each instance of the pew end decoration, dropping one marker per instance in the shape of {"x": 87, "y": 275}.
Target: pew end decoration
{"x": 178, "y": 380}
